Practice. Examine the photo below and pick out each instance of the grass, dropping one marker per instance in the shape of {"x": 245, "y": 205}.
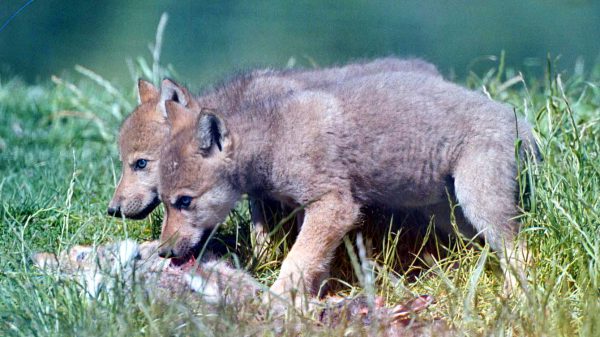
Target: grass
{"x": 59, "y": 164}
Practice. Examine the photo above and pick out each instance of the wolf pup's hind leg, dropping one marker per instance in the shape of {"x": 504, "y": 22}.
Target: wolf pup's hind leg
{"x": 485, "y": 185}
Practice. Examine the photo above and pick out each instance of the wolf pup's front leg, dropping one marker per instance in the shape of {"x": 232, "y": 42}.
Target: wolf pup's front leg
{"x": 326, "y": 221}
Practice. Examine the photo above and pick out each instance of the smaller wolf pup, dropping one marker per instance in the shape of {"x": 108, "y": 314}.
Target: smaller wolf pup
{"x": 396, "y": 140}
{"x": 146, "y": 128}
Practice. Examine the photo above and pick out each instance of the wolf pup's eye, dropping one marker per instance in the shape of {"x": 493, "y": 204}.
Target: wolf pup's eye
{"x": 140, "y": 164}
{"x": 183, "y": 202}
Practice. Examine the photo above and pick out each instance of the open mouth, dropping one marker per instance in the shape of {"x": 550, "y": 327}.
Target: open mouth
{"x": 215, "y": 247}
{"x": 183, "y": 263}
{"x": 189, "y": 260}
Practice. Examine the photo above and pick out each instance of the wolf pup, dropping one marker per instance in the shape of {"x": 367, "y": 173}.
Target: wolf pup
{"x": 396, "y": 140}
{"x": 146, "y": 128}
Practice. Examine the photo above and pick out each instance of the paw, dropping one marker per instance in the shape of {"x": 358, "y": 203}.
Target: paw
{"x": 284, "y": 296}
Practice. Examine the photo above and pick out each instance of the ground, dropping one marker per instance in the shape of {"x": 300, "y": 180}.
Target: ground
{"x": 59, "y": 165}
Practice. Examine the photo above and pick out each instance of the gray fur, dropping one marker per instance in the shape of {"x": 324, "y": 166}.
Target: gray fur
{"x": 210, "y": 132}
{"x": 325, "y": 77}
{"x": 265, "y": 85}
{"x": 397, "y": 140}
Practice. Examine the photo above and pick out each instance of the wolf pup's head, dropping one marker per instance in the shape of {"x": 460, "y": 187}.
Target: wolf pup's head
{"x": 140, "y": 139}
{"x": 194, "y": 184}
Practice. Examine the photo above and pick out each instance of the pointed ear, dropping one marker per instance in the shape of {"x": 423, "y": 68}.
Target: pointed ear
{"x": 179, "y": 116}
{"x": 211, "y": 132}
{"x": 146, "y": 91}
{"x": 171, "y": 91}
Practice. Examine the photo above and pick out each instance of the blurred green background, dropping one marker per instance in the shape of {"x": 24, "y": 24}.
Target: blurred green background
{"x": 204, "y": 40}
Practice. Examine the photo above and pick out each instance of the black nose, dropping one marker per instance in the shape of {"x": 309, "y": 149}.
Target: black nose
{"x": 114, "y": 211}
{"x": 166, "y": 253}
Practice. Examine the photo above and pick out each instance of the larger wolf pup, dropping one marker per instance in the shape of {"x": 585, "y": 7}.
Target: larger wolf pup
{"x": 145, "y": 130}
{"x": 395, "y": 140}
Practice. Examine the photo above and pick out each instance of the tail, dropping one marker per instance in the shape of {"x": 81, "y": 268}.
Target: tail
{"x": 529, "y": 147}
{"x": 529, "y": 152}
